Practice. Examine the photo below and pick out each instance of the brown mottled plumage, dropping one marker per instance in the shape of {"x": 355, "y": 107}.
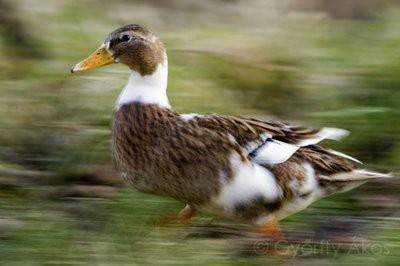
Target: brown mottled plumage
{"x": 256, "y": 170}
{"x": 149, "y": 141}
{"x": 155, "y": 148}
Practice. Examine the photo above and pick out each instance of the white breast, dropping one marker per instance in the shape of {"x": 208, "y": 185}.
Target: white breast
{"x": 150, "y": 89}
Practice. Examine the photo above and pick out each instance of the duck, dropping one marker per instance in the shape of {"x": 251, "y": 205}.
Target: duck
{"x": 254, "y": 171}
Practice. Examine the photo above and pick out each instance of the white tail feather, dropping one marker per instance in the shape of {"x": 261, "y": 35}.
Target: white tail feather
{"x": 356, "y": 175}
{"x": 325, "y": 133}
{"x": 348, "y": 157}
{"x": 371, "y": 174}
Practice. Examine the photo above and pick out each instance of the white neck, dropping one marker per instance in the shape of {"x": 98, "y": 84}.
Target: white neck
{"x": 146, "y": 89}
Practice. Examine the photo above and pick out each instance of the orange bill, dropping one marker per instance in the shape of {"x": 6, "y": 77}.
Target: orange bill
{"x": 100, "y": 57}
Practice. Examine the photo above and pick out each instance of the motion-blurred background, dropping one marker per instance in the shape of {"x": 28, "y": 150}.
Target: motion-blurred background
{"x": 312, "y": 62}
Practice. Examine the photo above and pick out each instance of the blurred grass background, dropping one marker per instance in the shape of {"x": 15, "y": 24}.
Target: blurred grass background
{"x": 312, "y": 62}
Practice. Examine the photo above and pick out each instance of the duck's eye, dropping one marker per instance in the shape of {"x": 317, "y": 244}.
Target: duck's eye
{"x": 125, "y": 38}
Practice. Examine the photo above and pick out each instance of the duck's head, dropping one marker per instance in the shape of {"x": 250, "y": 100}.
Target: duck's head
{"x": 132, "y": 45}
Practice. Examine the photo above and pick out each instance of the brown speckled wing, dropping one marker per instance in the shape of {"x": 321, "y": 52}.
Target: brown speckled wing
{"x": 246, "y": 130}
{"x": 249, "y": 130}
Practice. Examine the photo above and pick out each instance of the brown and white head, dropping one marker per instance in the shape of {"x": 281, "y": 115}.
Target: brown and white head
{"x": 144, "y": 54}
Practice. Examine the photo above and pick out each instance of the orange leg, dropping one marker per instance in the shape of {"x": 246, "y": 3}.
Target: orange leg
{"x": 271, "y": 230}
{"x": 185, "y": 214}
{"x": 273, "y": 245}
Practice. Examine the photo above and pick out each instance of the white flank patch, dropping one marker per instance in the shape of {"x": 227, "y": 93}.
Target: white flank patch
{"x": 151, "y": 89}
{"x": 274, "y": 152}
{"x": 188, "y": 117}
{"x": 248, "y": 182}
{"x": 348, "y": 157}
{"x": 325, "y": 133}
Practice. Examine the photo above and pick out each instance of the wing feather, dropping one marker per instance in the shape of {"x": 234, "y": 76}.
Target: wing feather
{"x": 267, "y": 142}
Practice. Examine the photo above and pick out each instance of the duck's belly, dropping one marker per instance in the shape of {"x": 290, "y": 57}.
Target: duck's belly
{"x": 189, "y": 189}
{"x": 139, "y": 182}
{"x": 295, "y": 205}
